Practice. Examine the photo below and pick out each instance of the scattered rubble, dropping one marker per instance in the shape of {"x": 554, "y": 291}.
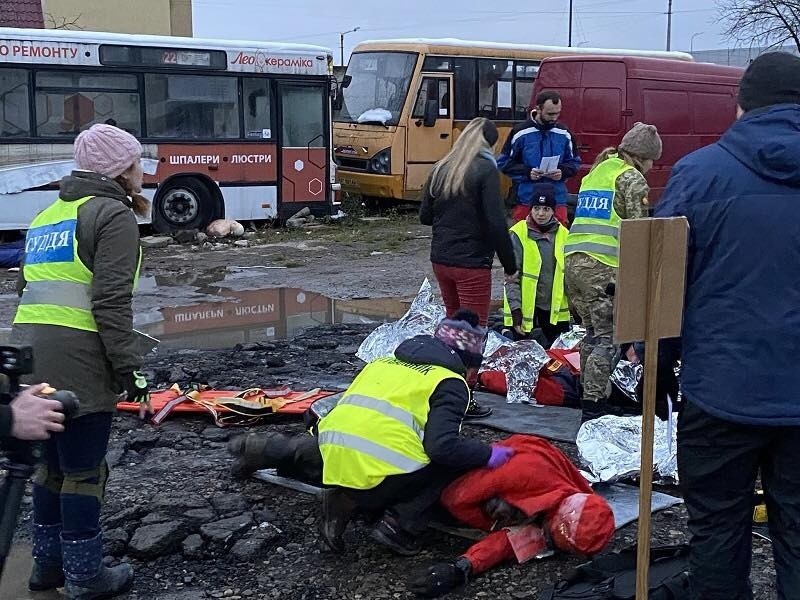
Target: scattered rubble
{"x": 302, "y": 218}
{"x": 225, "y": 227}
{"x": 156, "y": 241}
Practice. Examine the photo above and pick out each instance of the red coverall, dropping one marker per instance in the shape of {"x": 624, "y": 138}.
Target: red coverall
{"x": 536, "y": 479}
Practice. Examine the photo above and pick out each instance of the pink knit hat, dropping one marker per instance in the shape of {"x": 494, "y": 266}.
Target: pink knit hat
{"x": 107, "y": 150}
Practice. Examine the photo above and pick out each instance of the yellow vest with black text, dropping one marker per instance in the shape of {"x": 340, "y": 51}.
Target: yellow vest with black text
{"x": 58, "y": 288}
{"x": 529, "y": 279}
{"x": 377, "y": 429}
{"x": 595, "y": 229}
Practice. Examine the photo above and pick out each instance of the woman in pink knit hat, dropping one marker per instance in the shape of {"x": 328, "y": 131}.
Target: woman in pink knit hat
{"x": 81, "y": 262}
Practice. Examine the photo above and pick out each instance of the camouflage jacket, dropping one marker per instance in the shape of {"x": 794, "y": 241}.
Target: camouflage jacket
{"x": 630, "y": 201}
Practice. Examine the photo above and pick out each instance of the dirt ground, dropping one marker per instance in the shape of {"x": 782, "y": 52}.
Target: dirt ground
{"x": 172, "y": 509}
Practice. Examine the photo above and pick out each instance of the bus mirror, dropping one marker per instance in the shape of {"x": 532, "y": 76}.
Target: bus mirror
{"x": 337, "y": 100}
{"x": 346, "y": 81}
{"x": 431, "y": 113}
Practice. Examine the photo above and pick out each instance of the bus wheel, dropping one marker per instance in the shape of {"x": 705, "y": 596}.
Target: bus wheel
{"x": 183, "y": 204}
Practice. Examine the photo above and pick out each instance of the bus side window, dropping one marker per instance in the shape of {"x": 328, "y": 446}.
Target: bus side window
{"x": 15, "y": 116}
{"x": 257, "y": 108}
{"x": 524, "y": 81}
{"x": 495, "y": 89}
{"x": 432, "y": 88}
{"x": 466, "y": 89}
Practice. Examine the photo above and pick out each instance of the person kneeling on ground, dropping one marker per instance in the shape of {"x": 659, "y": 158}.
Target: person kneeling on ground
{"x": 536, "y": 297}
{"x": 391, "y": 444}
{"x": 537, "y": 500}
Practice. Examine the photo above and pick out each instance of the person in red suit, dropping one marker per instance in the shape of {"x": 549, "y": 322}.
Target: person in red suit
{"x": 536, "y": 501}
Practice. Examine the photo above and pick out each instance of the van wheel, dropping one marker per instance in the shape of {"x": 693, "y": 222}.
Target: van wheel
{"x": 183, "y": 204}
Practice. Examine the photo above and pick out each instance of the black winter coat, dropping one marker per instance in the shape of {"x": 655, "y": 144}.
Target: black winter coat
{"x": 443, "y": 444}
{"x": 469, "y": 229}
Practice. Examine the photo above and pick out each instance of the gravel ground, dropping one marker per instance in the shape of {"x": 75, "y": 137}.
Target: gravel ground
{"x": 193, "y": 532}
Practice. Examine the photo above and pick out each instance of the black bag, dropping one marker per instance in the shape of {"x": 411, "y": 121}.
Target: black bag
{"x": 613, "y": 577}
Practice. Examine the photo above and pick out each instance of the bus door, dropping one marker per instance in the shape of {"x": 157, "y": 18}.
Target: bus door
{"x": 304, "y": 146}
{"x": 429, "y": 128}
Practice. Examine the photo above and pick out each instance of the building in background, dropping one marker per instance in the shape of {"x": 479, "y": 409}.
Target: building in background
{"x": 737, "y": 57}
{"x": 21, "y": 13}
{"x": 154, "y": 17}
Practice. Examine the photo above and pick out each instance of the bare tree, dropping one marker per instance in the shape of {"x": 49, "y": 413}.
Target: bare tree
{"x": 764, "y": 23}
{"x": 62, "y": 22}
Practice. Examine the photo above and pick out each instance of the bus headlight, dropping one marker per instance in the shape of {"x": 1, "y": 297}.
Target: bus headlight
{"x": 381, "y": 163}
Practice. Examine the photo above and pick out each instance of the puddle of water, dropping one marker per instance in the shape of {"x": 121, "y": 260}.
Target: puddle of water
{"x": 14, "y": 585}
{"x": 225, "y": 317}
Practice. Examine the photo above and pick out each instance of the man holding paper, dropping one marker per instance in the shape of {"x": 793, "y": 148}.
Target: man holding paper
{"x": 540, "y": 150}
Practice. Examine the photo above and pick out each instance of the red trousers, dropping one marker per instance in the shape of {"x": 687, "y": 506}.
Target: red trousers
{"x": 463, "y": 287}
{"x": 521, "y": 211}
{"x": 492, "y": 550}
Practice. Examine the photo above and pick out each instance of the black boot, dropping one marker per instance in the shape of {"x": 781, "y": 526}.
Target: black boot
{"x": 256, "y": 451}
{"x": 87, "y": 577}
{"x": 47, "y": 573}
{"x": 389, "y": 534}
{"x": 475, "y": 410}
{"x": 337, "y": 510}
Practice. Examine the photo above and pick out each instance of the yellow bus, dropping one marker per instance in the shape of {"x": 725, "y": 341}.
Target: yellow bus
{"x": 403, "y": 103}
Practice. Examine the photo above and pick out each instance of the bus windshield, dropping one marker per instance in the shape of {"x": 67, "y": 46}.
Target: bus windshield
{"x": 378, "y": 87}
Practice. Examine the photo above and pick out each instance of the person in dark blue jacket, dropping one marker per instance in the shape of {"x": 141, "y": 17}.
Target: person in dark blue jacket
{"x": 539, "y": 137}
{"x": 740, "y": 375}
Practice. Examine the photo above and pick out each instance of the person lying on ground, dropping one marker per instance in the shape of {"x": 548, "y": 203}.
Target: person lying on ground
{"x": 535, "y": 502}
{"x": 392, "y": 443}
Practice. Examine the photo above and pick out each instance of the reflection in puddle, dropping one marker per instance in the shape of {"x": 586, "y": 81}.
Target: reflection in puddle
{"x": 233, "y": 316}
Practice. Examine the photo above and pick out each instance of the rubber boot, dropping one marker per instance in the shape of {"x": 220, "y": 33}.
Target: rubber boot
{"x": 87, "y": 577}
{"x": 337, "y": 510}
{"x": 47, "y": 573}
{"x": 256, "y": 451}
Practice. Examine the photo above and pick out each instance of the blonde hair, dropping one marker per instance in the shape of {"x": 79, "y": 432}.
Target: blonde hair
{"x": 451, "y": 181}
{"x": 629, "y": 158}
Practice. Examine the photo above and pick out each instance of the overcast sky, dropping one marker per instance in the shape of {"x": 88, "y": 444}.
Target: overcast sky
{"x": 639, "y": 24}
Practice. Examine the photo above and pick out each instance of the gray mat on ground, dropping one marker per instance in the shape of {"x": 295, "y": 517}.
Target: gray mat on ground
{"x": 551, "y": 422}
{"x": 623, "y": 499}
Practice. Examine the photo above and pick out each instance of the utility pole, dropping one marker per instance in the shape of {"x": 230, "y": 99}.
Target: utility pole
{"x": 669, "y": 26}
{"x": 570, "y": 24}
{"x": 341, "y": 43}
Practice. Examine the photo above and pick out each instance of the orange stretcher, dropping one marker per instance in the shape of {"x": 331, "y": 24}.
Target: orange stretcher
{"x": 228, "y": 407}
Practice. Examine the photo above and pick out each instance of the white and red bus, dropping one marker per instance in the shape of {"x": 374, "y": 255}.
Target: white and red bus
{"x": 240, "y": 130}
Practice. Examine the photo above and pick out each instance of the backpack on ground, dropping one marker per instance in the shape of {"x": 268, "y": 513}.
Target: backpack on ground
{"x": 613, "y": 577}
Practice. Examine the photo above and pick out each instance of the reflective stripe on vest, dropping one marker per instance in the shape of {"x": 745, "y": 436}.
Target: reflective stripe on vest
{"x": 58, "y": 284}
{"x": 385, "y": 408}
{"x": 368, "y": 447}
{"x": 595, "y": 229}
{"x": 377, "y": 429}
{"x": 531, "y": 266}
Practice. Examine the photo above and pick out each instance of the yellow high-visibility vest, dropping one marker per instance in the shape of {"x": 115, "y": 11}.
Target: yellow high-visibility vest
{"x": 595, "y": 229}
{"x": 377, "y": 429}
{"x": 58, "y": 289}
{"x": 529, "y": 279}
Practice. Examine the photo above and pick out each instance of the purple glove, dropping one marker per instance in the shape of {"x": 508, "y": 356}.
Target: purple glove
{"x": 500, "y": 456}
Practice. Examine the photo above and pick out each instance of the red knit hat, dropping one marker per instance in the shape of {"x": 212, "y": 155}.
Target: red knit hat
{"x": 582, "y": 524}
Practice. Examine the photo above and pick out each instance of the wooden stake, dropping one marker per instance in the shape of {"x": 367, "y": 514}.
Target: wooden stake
{"x": 654, "y": 296}
{"x": 648, "y": 305}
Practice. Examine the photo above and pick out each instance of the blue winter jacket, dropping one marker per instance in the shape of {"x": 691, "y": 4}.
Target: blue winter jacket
{"x": 741, "y": 328}
{"x": 523, "y": 151}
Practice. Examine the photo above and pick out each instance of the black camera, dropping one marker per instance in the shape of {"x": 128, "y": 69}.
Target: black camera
{"x": 20, "y": 457}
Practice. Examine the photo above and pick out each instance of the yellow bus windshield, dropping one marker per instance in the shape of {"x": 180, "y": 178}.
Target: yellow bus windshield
{"x": 376, "y": 87}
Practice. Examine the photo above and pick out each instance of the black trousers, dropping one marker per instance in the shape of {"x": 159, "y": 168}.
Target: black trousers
{"x": 551, "y": 332}
{"x": 410, "y": 497}
{"x": 718, "y": 463}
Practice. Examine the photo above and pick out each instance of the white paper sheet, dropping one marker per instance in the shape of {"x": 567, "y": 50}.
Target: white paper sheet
{"x": 549, "y": 164}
